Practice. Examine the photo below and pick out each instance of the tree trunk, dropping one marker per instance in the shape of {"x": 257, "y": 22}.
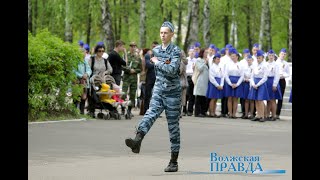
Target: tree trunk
{"x": 265, "y": 26}
{"x": 194, "y": 23}
{"x": 248, "y": 17}
{"x": 68, "y": 22}
{"x": 186, "y": 41}
{"x": 107, "y": 24}
{"x": 170, "y": 16}
{"x": 226, "y": 26}
{"x": 268, "y": 42}
{"x": 120, "y": 20}
{"x": 35, "y": 17}
{"x": 235, "y": 33}
{"x": 29, "y": 16}
{"x": 126, "y": 19}
{"x": 115, "y": 16}
{"x": 178, "y": 42}
{"x": 142, "y": 31}
{"x": 206, "y": 23}
{"x": 89, "y": 22}
{"x": 231, "y": 38}
{"x": 161, "y": 10}
{"x": 290, "y": 34}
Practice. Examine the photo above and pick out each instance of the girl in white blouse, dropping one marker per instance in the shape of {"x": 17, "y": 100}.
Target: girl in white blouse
{"x": 233, "y": 87}
{"x": 215, "y": 85}
{"x": 258, "y": 90}
{"x": 248, "y": 70}
{"x": 273, "y": 86}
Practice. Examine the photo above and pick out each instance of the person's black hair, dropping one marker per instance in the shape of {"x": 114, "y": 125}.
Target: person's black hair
{"x": 155, "y": 42}
{"x": 98, "y": 47}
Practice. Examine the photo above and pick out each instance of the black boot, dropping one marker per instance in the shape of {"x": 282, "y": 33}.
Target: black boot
{"x": 129, "y": 111}
{"x": 123, "y": 110}
{"x": 173, "y": 164}
{"x": 135, "y": 143}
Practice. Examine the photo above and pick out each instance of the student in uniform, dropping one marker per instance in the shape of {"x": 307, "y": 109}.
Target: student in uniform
{"x": 188, "y": 109}
{"x": 284, "y": 71}
{"x": 273, "y": 86}
{"x": 233, "y": 87}
{"x": 244, "y": 63}
{"x": 215, "y": 85}
{"x": 211, "y": 53}
{"x": 254, "y": 51}
{"x": 247, "y": 103}
{"x": 224, "y": 60}
{"x": 258, "y": 90}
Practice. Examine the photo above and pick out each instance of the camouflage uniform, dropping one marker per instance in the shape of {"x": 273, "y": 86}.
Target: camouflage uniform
{"x": 166, "y": 94}
{"x": 130, "y": 80}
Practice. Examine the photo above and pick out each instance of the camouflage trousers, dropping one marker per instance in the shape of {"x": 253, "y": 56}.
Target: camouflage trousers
{"x": 171, "y": 104}
{"x": 132, "y": 86}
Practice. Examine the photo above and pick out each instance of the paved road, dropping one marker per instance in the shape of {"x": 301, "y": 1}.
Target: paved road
{"x": 95, "y": 149}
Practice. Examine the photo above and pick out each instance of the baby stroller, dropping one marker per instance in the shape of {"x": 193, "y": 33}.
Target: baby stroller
{"x": 101, "y": 95}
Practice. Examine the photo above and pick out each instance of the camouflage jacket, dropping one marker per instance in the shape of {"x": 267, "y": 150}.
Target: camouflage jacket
{"x": 134, "y": 62}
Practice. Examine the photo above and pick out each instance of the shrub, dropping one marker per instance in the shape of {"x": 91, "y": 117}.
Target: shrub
{"x": 51, "y": 62}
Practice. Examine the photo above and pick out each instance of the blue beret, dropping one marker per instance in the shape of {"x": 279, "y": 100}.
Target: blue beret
{"x": 246, "y": 51}
{"x": 212, "y": 46}
{"x": 196, "y": 54}
{"x": 100, "y": 43}
{"x": 217, "y": 55}
{"x": 249, "y": 57}
{"x": 283, "y": 50}
{"x": 233, "y": 51}
{"x": 260, "y": 53}
{"x": 256, "y": 45}
{"x": 86, "y": 47}
{"x": 169, "y": 25}
{"x": 81, "y": 43}
{"x": 217, "y": 49}
{"x": 223, "y": 51}
{"x": 228, "y": 46}
{"x": 270, "y": 51}
{"x": 197, "y": 44}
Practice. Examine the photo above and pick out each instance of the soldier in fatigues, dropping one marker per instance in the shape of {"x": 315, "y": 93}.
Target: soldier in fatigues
{"x": 166, "y": 95}
{"x": 130, "y": 77}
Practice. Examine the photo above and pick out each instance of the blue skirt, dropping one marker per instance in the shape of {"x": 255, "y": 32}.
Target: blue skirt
{"x": 213, "y": 92}
{"x": 259, "y": 94}
{"x": 290, "y": 97}
{"x": 273, "y": 94}
{"x": 236, "y": 92}
{"x": 246, "y": 89}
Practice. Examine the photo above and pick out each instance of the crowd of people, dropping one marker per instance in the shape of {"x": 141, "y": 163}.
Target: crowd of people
{"x": 189, "y": 84}
{"x": 255, "y": 79}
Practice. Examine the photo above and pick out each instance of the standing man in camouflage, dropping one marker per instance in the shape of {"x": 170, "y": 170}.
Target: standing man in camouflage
{"x": 130, "y": 77}
{"x": 166, "y": 95}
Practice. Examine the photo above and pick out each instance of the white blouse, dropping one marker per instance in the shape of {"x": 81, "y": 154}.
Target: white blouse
{"x": 233, "y": 69}
{"x": 259, "y": 71}
{"x": 216, "y": 71}
{"x": 273, "y": 69}
{"x": 189, "y": 68}
{"x": 247, "y": 70}
{"x": 284, "y": 69}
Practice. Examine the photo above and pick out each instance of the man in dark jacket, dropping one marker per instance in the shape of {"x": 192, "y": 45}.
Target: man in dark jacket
{"x": 117, "y": 61}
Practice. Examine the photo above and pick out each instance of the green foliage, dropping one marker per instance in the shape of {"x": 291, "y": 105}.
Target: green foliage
{"x": 51, "y": 15}
{"x": 51, "y": 64}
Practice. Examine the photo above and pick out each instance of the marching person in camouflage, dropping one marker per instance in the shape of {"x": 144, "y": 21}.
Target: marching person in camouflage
{"x": 166, "y": 95}
{"x": 130, "y": 77}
